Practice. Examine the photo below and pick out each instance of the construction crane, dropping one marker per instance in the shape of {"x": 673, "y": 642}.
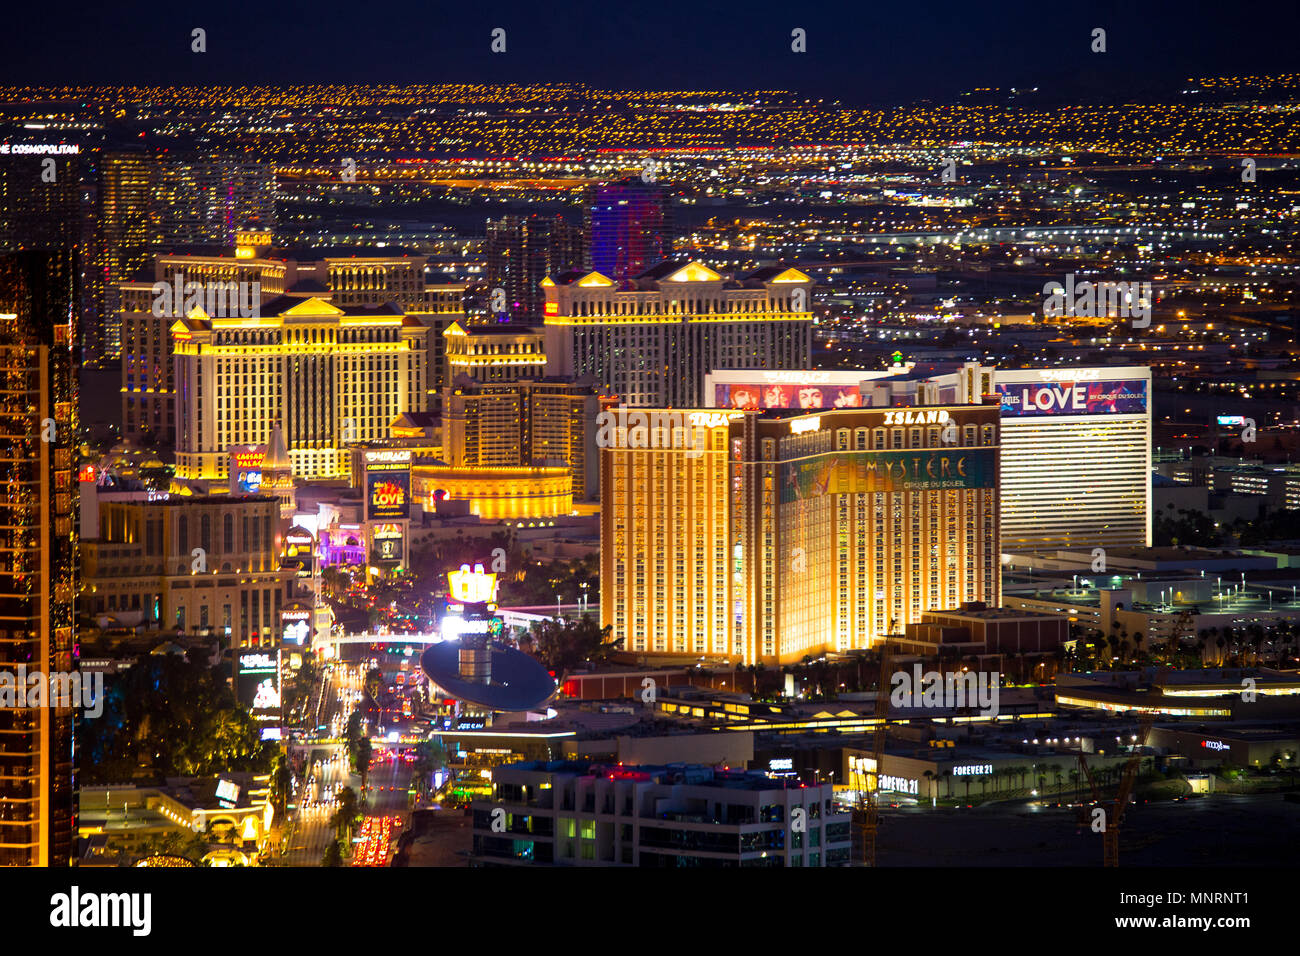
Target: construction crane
{"x": 1110, "y": 839}
{"x": 1086, "y": 771}
{"x": 866, "y": 815}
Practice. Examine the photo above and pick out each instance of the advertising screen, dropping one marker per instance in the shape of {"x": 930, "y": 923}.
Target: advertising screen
{"x": 257, "y": 682}
{"x": 387, "y": 484}
{"x": 246, "y": 469}
{"x": 388, "y": 543}
{"x": 295, "y": 625}
{"x": 759, "y": 395}
{"x": 1032, "y": 399}
{"x": 388, "y": 494}
{"x": 863, "y": 472}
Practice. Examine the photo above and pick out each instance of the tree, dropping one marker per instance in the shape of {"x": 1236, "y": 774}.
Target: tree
{"x": 333, "y": 854}
{"x": 191, "y": 846}
{"x": 347, "y": 814}
{"x": 169, "y": 716}
{"x": 281, "y": 783}
{"x": 360, "y": 757}
{"x": 563, "y": 645}
{"x": 430, "y": 756}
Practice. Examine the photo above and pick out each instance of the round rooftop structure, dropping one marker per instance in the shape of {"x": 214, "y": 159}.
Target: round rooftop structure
{"x": 479, "y": 671}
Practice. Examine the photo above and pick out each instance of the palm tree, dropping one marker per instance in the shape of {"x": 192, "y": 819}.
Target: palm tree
{"x": 430, "y": 756}
{"x": 281, "y": 783}
{"x": 333, "y": 854}
{"x": 345, "y": 817}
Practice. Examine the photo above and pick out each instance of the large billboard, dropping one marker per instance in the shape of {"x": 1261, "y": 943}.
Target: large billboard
{"x": 757, "y": 395}
{"x": 387, "y": 546}
{"x": 387, "y": 485}
{"x": 257, "y": 682}
{"x": 864, "y": 472}
{"x": 246, "y": 463}
{"x": 1067, "y": 397}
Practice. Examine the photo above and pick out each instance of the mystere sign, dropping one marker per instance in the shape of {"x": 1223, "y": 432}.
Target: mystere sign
{"x": 864, "y": 472}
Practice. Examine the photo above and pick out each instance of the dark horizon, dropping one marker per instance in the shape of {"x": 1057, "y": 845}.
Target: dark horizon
{"x": 927, "y": 51}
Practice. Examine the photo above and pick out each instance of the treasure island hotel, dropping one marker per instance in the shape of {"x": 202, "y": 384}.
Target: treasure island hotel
{"x": 765, "y": 536}
{"x": 1076, "y": 441}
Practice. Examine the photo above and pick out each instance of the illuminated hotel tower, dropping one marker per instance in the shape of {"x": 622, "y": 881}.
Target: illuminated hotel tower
{"x": 38, "y": 550}
{"x": 1076, "y": 457}
{"x": 332, "y": 377}
{"x": 1076, "y": 441}
{"x": 629, "y": 228}
{"x": 652, "y": 344}
{"x": 765, "y": 537}
{"x": 148, "y": 371}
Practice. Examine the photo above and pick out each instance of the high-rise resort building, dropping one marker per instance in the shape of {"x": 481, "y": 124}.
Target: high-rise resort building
{"x": 1076, "y": 457}
{"x": 493, "y": 352}
{"x": 124, "y": 215}
{"x": 38, "y": 552}
{"x": 521, "y": 251}
{"x": 524, "y": 423}
{"x": 1076, "y": 442}
{"x": 331, "y": 376}
{"x": 652, "y": 344}
{"x": 629, "y": 228}
{"x": 138, "y": 564}
{"x": 148, "y": 374}
{"x": 763, "y": 537}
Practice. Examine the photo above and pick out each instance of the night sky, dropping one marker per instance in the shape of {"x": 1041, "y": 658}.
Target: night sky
{"x": 859, "y": 52}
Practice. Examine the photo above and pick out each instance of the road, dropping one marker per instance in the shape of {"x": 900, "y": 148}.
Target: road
{"x": 313, "y": 805}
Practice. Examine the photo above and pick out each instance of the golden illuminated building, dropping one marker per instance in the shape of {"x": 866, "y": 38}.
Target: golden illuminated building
{"x": 494, "y": 494}
{"x": 524, "y": 423}
{"x": 38, "y": 555}
{"x": 332, "y": 376}
{"x": 143, "y": 567}
{"x": 651, "y": 344}
{"x": 494, "y": 353}
{"x": 148, "y": 371}
{"x": 767, "y": 537}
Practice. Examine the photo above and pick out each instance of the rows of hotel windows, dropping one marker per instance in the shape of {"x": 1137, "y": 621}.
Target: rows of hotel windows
{"x": 873, "y": 439}
{"x": 653, "y": 304}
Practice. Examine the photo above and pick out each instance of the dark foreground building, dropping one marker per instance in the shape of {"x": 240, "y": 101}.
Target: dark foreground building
{"x": 38, "y": 421}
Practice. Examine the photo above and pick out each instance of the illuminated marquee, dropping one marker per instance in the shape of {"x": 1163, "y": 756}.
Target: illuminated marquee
{"x": 711, "y": 419}
{"x": 472, "y": 587}
{"x": 898, "y": 784}
{"x": 1072, "y": 397}
{"x": 389, "y": 457}
{"x": 910, "y": 417}
{"x": 973, "y": 770}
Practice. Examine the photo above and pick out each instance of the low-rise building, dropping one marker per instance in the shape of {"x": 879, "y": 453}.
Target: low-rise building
{"x": 577, "y": 813}
{"x": 199, "y": 564}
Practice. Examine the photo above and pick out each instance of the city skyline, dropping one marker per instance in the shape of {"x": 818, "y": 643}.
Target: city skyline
{"x": 680, "y": 438}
